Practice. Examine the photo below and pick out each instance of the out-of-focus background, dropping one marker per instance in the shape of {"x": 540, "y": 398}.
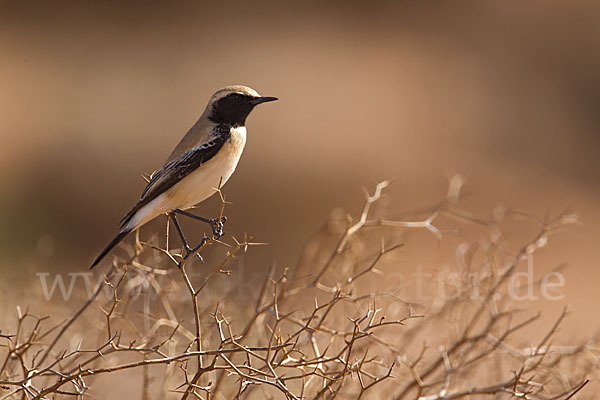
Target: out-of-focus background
{"x": 93, "y": 94}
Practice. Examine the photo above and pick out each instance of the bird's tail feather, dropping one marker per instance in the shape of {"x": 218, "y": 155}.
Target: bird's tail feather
{"x": 110, "y": 246}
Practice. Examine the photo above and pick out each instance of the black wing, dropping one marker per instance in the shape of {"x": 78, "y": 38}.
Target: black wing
{"x": 175, "y": 170}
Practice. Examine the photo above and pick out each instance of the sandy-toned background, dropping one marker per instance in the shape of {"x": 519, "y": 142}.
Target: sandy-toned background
{"x": 93, "y": 94}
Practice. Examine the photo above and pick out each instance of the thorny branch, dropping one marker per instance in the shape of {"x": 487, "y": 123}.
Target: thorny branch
{"x": 320, "y": 337}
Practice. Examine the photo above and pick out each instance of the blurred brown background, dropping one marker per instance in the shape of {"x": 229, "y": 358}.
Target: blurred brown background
{"x": 95, "y": 93}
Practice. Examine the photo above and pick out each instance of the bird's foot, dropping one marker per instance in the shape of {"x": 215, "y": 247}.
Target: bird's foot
{"x": 217, "y": 226}
{"x": 191, "y": 252}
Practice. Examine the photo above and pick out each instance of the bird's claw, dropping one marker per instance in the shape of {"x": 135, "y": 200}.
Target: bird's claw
{"x": 217, "y": 226}
{"x": 217, "y": 230}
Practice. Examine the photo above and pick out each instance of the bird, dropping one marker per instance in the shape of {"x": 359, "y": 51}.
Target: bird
{"x": 204, "y": 159}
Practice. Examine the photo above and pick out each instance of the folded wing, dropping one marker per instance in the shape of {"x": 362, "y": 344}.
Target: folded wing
{"x": 177, "y": 169}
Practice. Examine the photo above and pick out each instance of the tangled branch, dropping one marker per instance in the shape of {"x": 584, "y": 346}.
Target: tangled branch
{"x": 333, "y": 328}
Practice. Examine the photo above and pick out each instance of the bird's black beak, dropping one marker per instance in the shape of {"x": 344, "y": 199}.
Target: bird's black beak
{"x": 262, "y": 99}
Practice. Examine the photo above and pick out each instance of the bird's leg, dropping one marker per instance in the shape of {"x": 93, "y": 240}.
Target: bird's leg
{"x": 194, "y": 216}
{"x": 216, "y": 223}
{"x": 188, "y": 249}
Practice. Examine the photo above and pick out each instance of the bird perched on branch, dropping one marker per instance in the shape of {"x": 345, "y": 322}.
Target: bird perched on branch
{"x": 204, "y": 159}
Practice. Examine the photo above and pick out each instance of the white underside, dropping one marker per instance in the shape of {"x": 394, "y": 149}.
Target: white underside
{"x": 198, "y": 185}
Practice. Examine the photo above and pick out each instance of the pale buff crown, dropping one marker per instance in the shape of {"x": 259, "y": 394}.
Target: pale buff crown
{"x": 232, "y": 89}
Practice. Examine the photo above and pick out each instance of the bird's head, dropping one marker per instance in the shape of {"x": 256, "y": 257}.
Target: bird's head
{"x": 232, "y": 104}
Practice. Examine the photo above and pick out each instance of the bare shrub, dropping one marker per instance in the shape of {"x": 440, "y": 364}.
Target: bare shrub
{"x": 332, "y": 328}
